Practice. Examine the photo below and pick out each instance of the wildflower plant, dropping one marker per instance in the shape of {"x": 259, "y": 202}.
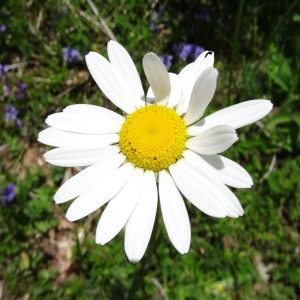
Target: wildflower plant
{"x": 71, "y": 54}
{"x": 8, "y": 194}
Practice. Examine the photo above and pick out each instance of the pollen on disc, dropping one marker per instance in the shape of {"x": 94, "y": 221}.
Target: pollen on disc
{"x": 153, "y": 137}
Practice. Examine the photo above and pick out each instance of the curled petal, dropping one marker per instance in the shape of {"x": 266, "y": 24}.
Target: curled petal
{"x": 202, "y": 94}
{"x": 158, "y": 77}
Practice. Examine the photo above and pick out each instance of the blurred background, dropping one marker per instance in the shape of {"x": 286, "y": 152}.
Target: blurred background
{"x": 42, "y": 70}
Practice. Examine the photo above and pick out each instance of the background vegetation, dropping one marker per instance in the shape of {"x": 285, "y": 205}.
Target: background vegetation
{"x": 257, "y": 50}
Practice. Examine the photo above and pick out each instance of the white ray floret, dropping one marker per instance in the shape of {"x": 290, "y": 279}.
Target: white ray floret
{"x": 143, "y": 218}
{"x": 174, "y": 213}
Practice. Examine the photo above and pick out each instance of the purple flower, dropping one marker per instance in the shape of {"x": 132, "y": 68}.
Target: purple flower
{"x": 167, "y": 60}
{"x": 155, "y": 19}
{"x": 3, "y": 69}
{"x": 21, "y": 89}
{"x": 8, "y": 194}
{"x": 2, "y": 28}
{"x": 183, "y": 51}
{"x": 71, "y": 55}
{"x": 155, "y": 16}
{"x": 18, "y": 123}
{"x": 187, "y": 51}
{"x": 197, "y": 51}
{"x": 10, "y": 113}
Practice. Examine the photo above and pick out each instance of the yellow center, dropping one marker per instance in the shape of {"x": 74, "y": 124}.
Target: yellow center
{"x": 153, "y": 137}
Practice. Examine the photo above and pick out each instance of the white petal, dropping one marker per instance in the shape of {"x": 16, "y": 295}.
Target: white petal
{"x": 83, "y": 123}
{"x": 139, "y": 226}
{"x": 198, "y": 189}
{"x": 214, "y": 187}
{"x": 79, "y": 156}
{"x": 99, "y": 193}
{"x": 122, "y": 61}
{"x": 157, "y": 76}
{"x": 172, "y": 77}
{"x": 202, "y": 94}
{"x": 236, "y": 116}
{"x": 232, "y": 214}
{"x": 119, "y": 209}
{"x": 150, "y": 95}
{"x": 221, "y": 168}
{"x": 174, "y": 213}
{"x": 230, "y": 200}
{"x": 79, "y": 183}
{"x": 177, "y": 86}
{"x": 204, "y": 61}
{"x": 109, "y": 81}
{"x": 213, "y": 140}
{"x": 95, "y": 110}
{"x": 59, "y": 138}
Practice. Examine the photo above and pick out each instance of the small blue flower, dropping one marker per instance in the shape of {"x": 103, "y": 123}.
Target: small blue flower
{"x": 167, "y": 60}
{"x": 71, "y": 55}
{"x": 187, "y": 51}
{"x": 155, "y": 19}
{"x": 183, "y": 51}
{"x": 197, "y": 51}
{"x": 10, "y": 113}
{"x": 21, "y": 89}
{"x": 3, "y": 69}
{"x": 8, "y": 194}
{"x": 2, "y": 28}
{"x": 155, "y": 16}
{"x": 18, "y": 123}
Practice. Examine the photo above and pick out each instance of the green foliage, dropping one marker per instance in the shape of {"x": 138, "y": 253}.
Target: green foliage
{"x": 42, "y": 256}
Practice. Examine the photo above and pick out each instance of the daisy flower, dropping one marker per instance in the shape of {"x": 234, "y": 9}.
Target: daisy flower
{"x": 161, "y": 149}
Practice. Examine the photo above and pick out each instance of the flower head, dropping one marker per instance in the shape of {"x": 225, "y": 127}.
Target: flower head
{"x": 8, "y": 194}
{"x": 71, "y": 55}
{"x": 161, "y": 149}
{"x": 21, "y": 89}
{"x": 187, "y": 51}
{"x": 10, "y": 113}
{"x": 3, "y": 69}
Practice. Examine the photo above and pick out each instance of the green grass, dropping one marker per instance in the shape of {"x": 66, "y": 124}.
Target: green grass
{"x": 257, "y": 52}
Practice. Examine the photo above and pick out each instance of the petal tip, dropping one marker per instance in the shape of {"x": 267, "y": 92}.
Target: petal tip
{"x": 134, "y": 259}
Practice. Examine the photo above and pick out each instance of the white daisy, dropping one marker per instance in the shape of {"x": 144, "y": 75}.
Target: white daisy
{"x": 159, "y": 150}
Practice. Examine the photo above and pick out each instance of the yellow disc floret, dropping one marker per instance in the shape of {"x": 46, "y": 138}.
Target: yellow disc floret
{"x": 153, "y": 137}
